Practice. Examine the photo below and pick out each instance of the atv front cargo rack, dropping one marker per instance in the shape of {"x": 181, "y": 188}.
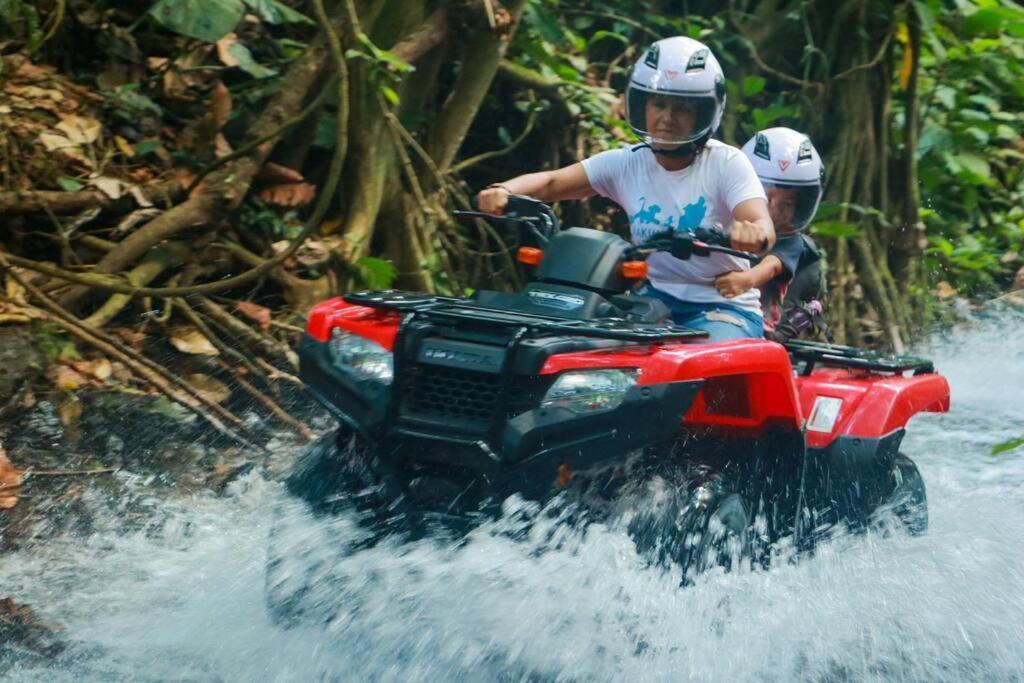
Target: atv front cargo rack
{"x": 834, "y": 355}
{"x": 450, "y": 309}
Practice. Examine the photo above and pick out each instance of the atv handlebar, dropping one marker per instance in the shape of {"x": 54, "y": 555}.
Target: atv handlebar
{"x": 540, "y": 220}
{"x": 536, "y": 216}
{"x": 701, "y": 242}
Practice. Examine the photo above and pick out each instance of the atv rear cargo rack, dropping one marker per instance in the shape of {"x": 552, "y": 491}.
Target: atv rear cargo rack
{"x": 834, "y": 355}
{"x": 450, "y": 309}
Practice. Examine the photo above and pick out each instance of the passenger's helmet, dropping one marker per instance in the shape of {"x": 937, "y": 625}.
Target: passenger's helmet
{"x": 681, "y": 68}
{"x": 784, "y": 158}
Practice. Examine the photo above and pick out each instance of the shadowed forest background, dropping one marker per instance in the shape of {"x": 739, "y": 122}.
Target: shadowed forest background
{"x": 192, "y": 175}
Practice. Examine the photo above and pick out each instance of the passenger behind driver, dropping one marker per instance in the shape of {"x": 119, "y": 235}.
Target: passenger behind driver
{"x": 789, "y": 278}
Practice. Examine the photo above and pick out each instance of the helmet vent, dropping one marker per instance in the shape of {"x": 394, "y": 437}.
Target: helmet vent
{"x": 698, "y": 60}
{"x": 803, "y": 155}
{"x": 651, "y": 58}
{"x": 761, "y": 147}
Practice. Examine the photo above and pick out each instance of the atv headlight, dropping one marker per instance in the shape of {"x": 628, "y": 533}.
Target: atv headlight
{"x": 589, "y": 390}
{"x": 362, "y": 357}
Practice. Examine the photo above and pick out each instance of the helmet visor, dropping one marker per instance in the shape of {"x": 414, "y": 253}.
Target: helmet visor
{"x": 792, "y": 207}
{"x": 669, "y": 118}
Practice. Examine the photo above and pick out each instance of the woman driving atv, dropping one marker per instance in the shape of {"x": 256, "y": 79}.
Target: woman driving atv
{"x": 677, "y": 179}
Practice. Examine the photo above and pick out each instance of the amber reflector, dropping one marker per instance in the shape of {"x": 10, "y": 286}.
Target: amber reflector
{"x": 531, "y": 256}
{"x": 634, "y": 270}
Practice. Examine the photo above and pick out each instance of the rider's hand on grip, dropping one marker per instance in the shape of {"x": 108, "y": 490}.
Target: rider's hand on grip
{"x": 748, "y": 236}
{"x": 493, "y": 200}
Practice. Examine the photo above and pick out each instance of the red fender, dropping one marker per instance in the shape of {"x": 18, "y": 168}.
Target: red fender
{"x": 375, "y": 324}
{"x": 872, "y": 405}
{"x": 748, "y": 382}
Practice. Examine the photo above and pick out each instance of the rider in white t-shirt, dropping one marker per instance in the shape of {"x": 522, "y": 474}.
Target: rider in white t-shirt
{"x": 678, "y": 179}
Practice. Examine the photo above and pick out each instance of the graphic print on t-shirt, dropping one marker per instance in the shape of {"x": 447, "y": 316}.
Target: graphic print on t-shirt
{"x": 646, "y": 223}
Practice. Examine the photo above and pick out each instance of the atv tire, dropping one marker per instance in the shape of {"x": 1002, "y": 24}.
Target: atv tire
{"x": 908, "y": 499}
{"x": 694, "y": 526}
{"x": 318, "y": 523}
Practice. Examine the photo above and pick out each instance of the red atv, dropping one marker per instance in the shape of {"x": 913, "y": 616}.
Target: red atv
{"x": 450, "y": 405}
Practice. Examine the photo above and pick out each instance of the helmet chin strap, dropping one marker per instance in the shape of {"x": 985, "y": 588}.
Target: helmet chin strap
{"x": 685, "y": 150}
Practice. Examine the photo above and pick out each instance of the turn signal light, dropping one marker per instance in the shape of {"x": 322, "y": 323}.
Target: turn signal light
{"x": 531, "y": 256}
{"x": 634, "y": 270}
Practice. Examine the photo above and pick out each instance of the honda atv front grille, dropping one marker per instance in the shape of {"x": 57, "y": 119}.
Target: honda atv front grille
{"x": 440, "y": 392}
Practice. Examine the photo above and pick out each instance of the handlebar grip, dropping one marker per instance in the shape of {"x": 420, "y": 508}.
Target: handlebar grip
{"x": 713, "y": 235}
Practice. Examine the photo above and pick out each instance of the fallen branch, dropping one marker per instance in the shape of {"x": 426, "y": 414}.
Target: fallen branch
{"x": 160, "y": 259}
{"x": 303, "y": 431}
{"x": 62, "y": 203}
{"x": 265, "y": 343}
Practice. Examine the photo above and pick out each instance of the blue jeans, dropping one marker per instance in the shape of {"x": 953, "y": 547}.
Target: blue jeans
{"x": 722, "y": 322}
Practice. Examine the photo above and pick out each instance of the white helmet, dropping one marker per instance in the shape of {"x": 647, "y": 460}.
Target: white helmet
{"x": 785, "y": 158}
{"x": 681, "y": 68}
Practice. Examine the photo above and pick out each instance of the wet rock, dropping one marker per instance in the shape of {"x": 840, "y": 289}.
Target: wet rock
{"x": 22, "y": 634}
{"x": 20, "y": 364}
{"x": 37, "y": 428}
{"x": 1018, "y": 281}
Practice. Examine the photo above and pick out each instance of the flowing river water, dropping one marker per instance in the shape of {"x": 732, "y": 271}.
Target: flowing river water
{"x": 182, "y": 597}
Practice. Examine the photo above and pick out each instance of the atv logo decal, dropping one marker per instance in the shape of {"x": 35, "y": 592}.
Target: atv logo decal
{"x": 563, "y": 302}
{"x": 671, "y": 74}
{"x": 783, "y": 164}
{"x": 460, "y": 355}
{"x": 761, "y": 147}
{"x": 697, "y": 61}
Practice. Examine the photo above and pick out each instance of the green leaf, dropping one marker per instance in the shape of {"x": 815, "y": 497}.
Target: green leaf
{"x": 835, "y": 229}
{"x": 544, "y": 22}
{"x": 601, "y": 35}
{"x": 974, "y": 163}
{"x": 247, "y": 63}
{"x": 753, "y": 85}
{"x": 390, "y": 95}
{"x": 925, "y": 14}
{"x": 946, "y": 95}
{"x": 983, "y": 21}
{"x": 208, "y": 20}
{"x": 132, "y": 104}
{"x": 69, "y": 184}
{"x": 376, "y": 273}
{"x": 274, "y": 12}
{"x": 145, "y": 147}
{"x": 1005, "y": 132}
{"x": 1007, "y": 446}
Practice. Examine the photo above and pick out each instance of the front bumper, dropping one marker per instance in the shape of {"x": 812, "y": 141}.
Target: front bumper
{"x": 524, "y": 452}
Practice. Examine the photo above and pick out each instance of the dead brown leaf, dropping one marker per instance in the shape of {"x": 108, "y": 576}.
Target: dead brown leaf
{"x": 69, "y": 411}
{"x": 276, "y": 173}
{"x": 288, "y": 195}
{"x": 101, "y": 368}
{"x": 944, "y": 290}
{"x": 220, "y": 104}
{"x": 221, "y": 146}
{"x": 126, "y": 148}
{"x": 209, "y": 388}
{"x": 81, "y": 130}
{"x": 112, "y": 187}
{"x": 255, "y": 312}
{"x": 10, "y": 481}
{"x": 191, "y": 341}
{"x": 224, "y": 50}
{"x": 66, "y": 377}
